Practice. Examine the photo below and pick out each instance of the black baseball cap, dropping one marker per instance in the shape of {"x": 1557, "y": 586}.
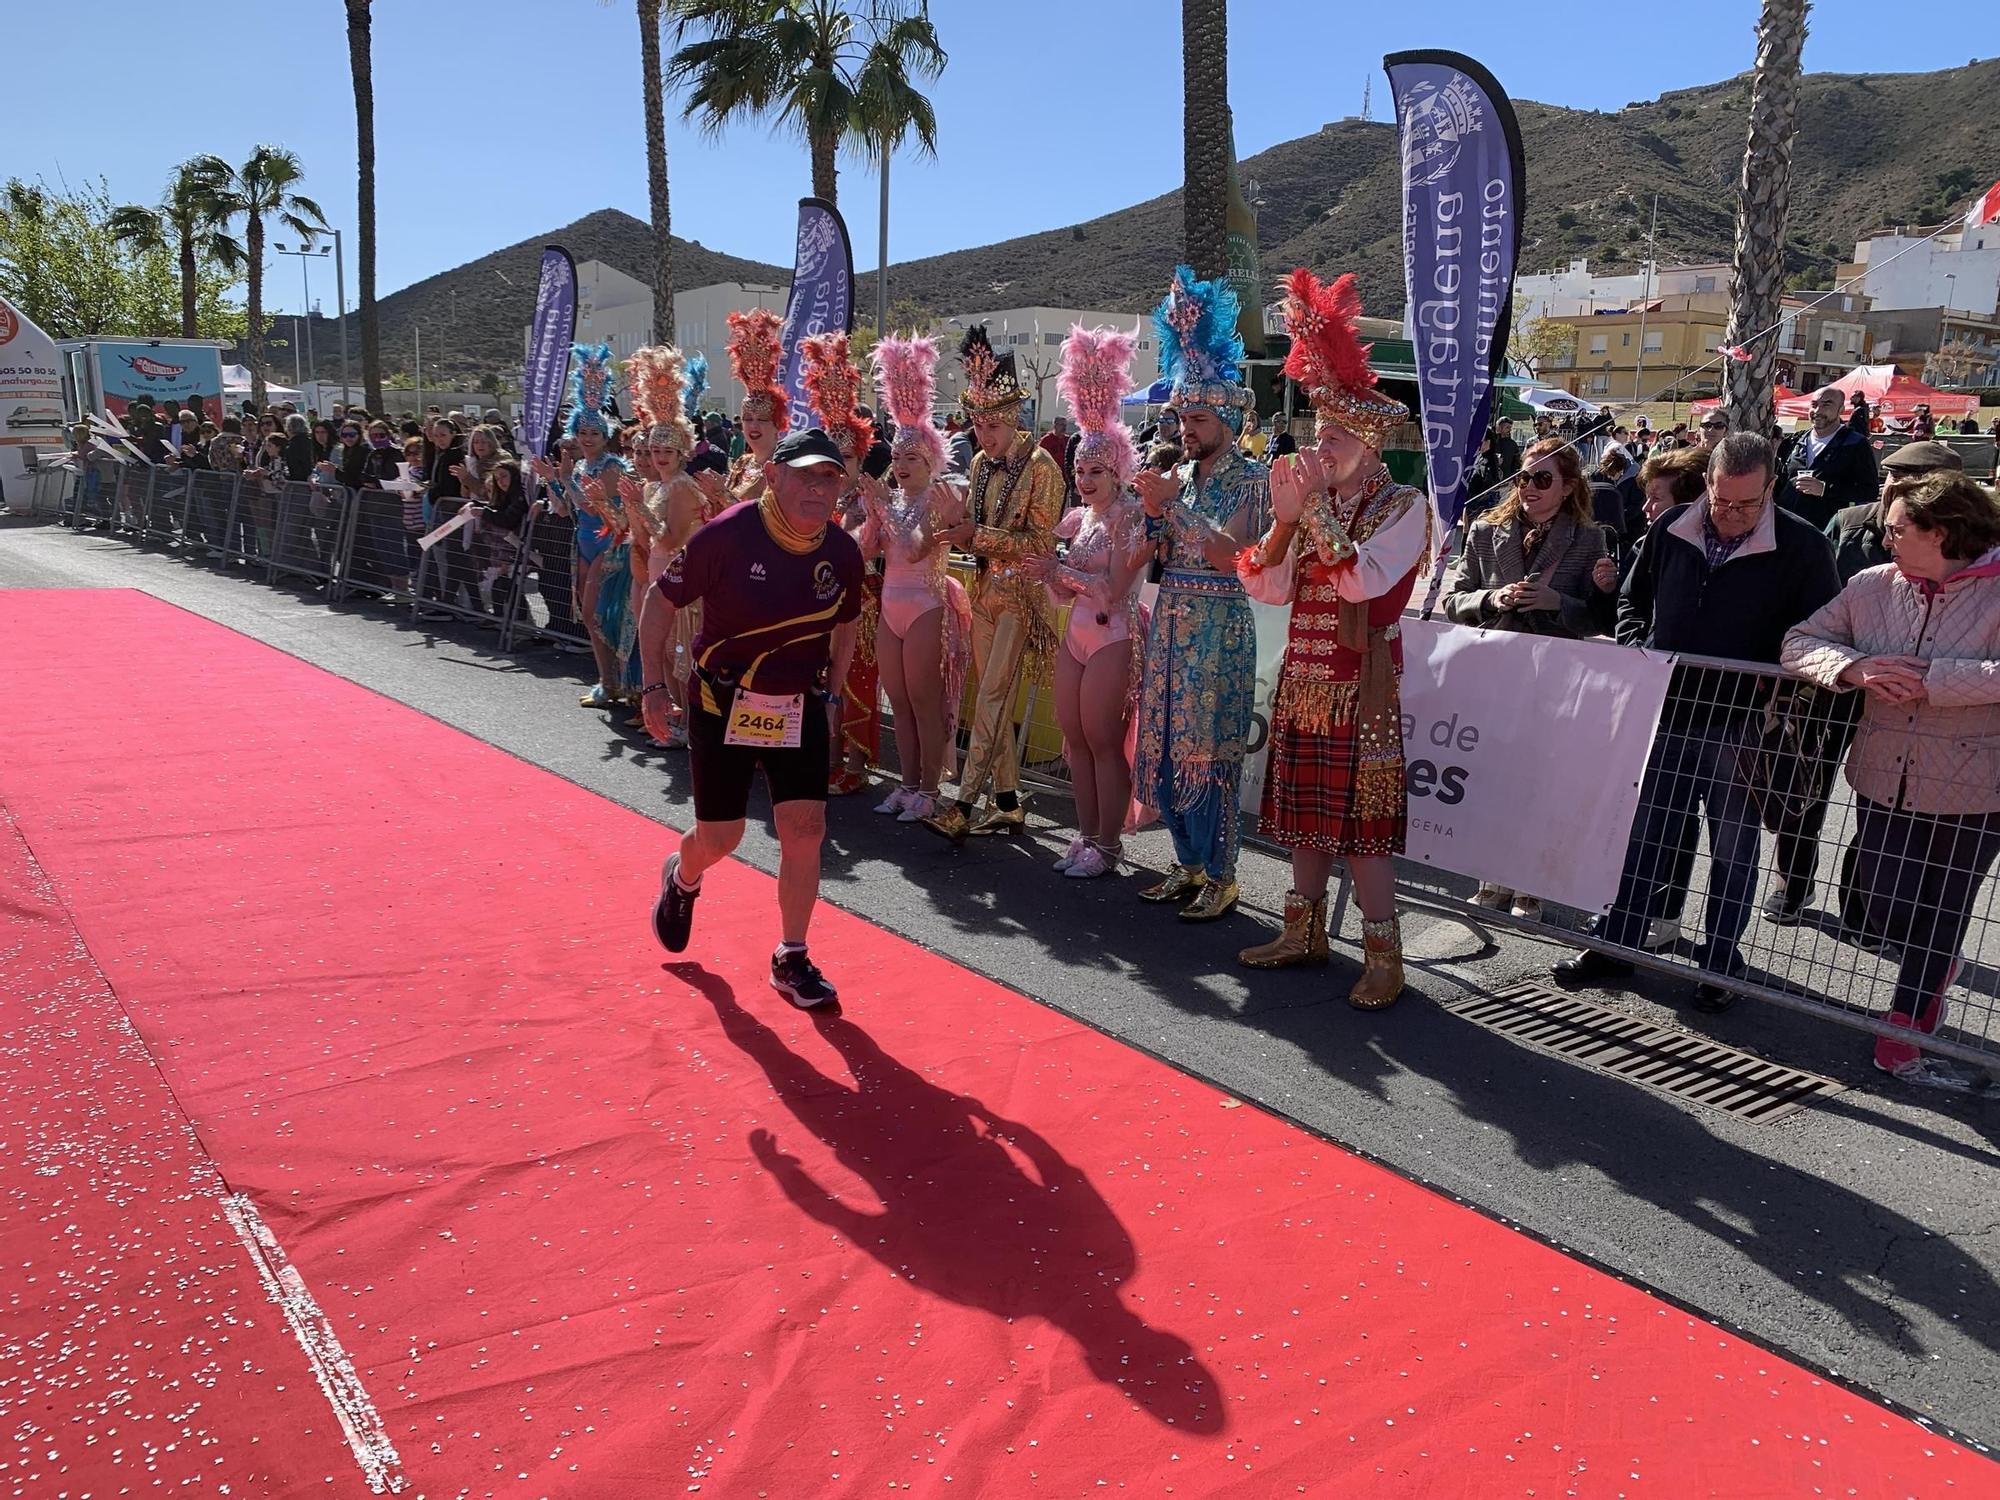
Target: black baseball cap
{"x": 807, "y": 450}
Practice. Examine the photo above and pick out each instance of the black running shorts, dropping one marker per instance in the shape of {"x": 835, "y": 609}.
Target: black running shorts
{"x": 722, "y": 773}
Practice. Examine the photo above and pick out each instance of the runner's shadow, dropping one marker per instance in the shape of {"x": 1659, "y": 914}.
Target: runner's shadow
{"x": 975, "y": 1208}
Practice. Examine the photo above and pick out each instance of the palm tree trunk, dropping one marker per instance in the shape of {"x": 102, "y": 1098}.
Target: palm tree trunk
{"x": 188, "y": 277}
{"x": 360, "y": 63}
{"x": 1766, "y": 193}
{"x": 1205, "y": 134}
{"x": 656, "y": 172}
{"x": 825, "y": 175}
{"x": 253, "y": 343}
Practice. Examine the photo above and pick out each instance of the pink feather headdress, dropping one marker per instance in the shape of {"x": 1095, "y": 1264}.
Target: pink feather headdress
{"x": 906, "y": 373}
{"x": 832, "y": 386}
{"x": 656, "y": 374}
{"x": 1096, "y": 374}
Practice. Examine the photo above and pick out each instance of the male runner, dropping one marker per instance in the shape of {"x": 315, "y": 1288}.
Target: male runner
{"x": 781, "y": 592}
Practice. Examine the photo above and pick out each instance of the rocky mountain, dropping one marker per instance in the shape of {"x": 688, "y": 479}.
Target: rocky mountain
{"x": 1873, "y": 149}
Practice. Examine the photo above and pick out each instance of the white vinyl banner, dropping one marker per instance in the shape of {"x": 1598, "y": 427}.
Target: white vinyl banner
{"x": 1524, "y": 755}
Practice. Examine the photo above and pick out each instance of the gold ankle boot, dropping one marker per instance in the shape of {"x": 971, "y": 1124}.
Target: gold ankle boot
{"x": 1002, "y": 821}
{"x": 1381, "y": 978}
{"x": 1303, "y": 940}
{"x": 1217, "y": 899}
{"x": 1181, "y": 881}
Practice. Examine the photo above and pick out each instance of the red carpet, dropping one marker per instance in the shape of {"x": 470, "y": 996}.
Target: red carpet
{"x": 588, "y": 1225}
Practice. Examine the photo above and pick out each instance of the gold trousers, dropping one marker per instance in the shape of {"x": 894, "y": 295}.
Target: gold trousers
{"x": 998, "y": 641}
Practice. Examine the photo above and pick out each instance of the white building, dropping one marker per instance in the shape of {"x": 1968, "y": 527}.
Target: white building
{"x": 616, "y": 309}
{"x": 1578, "y": 292}
{"x": 1034, "y": 336}
{"x": 1956, "y": 271}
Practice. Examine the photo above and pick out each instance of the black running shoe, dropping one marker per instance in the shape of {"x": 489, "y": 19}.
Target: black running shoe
{"x": 673, "y": 913}
{"x": 794, "y": 976}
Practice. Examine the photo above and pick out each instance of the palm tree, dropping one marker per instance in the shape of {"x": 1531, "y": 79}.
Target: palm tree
{"x": 656, "y": 171}
{"x": 828, "y": 72}
{"x": 1205, "y": 135}
{"x": 263, "y": 187}
{"x": 360, "y": 62}
{"x": 1766, "y": 194}
{"x": 191, "y": 223}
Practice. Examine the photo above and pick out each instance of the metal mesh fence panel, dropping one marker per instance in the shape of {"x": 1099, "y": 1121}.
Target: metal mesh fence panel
{"x": 211, "y": 511}
{"x": 543, "y": 603}
{"x": 309, "y": 527}
{"x": 166, "y": 505}
{"x": 1753, "y": 864}
{"x": 380, "y": 556}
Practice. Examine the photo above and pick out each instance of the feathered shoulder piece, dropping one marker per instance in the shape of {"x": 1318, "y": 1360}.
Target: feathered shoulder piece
{"x": 1199, "y": 344}
{"x": 756, "y": 350}
{"x": 832, "y": 386}
{"x": 1096, "y": 372}
{"x": 591, "y": 386}
{"x": 1324, "y": 321}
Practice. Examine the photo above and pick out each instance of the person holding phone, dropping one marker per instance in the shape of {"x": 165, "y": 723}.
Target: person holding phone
{"x": 1829, "y": 466}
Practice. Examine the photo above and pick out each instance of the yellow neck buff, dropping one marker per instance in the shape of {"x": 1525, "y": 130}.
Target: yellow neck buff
{"x": 783, "y": 532}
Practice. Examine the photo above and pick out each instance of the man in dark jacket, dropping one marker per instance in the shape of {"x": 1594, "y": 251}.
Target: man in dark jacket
{"x": 1856, "y": 531}
{"x": 1726, "y": 576}
{"x": 1829, "y": 467}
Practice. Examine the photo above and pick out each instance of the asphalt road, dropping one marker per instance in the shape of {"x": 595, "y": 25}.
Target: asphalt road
{"x": 1861, "y": 1236}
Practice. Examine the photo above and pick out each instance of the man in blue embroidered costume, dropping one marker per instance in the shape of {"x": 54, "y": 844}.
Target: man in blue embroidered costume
{"x": 590, "y": 490}
{"x": 1200, "y": 677}
{"x": 1016, "y": 495}
{"x": 1345, "y": 548}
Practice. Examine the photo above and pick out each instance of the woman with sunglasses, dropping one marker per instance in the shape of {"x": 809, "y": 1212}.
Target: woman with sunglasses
{"x": 1531, "y": 565}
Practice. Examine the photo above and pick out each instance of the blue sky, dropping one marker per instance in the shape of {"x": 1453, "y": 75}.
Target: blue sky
{"x": 497, "y": 120}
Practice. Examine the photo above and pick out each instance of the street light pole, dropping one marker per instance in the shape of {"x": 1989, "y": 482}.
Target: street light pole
{"x": 340, "y": 297}
{"x": 304, "y": 252}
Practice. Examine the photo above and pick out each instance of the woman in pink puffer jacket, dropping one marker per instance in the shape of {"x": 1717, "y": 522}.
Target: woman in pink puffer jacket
{"x": 1922, "y": 639}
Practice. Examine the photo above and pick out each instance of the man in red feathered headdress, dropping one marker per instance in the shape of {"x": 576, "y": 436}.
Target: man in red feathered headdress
{"x": 1345, "y": 549}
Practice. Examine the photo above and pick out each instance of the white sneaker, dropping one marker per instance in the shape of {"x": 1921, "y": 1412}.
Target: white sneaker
{"x": 1528, "y": 908}
{"x": 1088, "y": 864}
{"x": 919, "y": 806}
{"x": 1069, "y": 855}
{"x": 1492, "y": 897}
{"x": 897, "y": 800}
{"x": 1662, "y": 932}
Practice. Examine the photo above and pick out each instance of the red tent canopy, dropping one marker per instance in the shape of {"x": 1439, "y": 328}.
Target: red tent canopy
{"x": 1707, "y": 404}
{"x": 1893, "y": 395}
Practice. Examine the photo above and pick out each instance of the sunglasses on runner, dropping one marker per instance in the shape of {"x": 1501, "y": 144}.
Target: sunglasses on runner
{"x": 1541, "y": 479}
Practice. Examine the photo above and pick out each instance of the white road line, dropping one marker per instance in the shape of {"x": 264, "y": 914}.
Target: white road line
{"x": 351, "y": 1403}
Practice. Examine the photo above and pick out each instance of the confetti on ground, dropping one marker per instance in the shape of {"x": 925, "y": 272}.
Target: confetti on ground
{"x": 582, "y": 1223}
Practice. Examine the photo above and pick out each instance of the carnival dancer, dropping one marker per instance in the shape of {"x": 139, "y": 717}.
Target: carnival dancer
{"x": 665, "y": 505}
{"x": 781, "y": 590}
{"x": 755, "y": 353}
{"x": 833, "y": 385}
{"x": 1015, "y": 496}
{"x": 924, "y": 641}
{"x": 1345, "y": 549}
{"x": 1198, "y": 686}
{"x": 589, "y": 490}
{"x": 1096, "y": 672}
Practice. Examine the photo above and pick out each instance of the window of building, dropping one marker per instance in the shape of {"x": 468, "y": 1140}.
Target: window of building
{"x": 1655, "y": 341}
{"x": 1599, "y": 384}
{"x": 1704, "y": 283}
{"x": 1826, "y": 346}
{"x": 1599, "y": 342}
{"x": 1624, "y": 341}
{"x": 1052, "y": 339}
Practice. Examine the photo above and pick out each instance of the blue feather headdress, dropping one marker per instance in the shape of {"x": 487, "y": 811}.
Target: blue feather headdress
{"x": 1201, "y": 352}
{"x": 591, "y": 386}
{"x": 697, "y": 383}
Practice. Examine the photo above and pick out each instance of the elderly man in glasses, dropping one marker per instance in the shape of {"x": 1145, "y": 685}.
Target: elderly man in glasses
{"x": 1829, "y": 466}
{"x": 1726, "y": 576}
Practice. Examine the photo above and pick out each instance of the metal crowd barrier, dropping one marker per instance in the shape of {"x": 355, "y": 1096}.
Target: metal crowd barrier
{"x": 1748, "y": 762}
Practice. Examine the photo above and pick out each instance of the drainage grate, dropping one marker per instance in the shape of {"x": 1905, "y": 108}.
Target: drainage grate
{"x": 1682, "y": 1063}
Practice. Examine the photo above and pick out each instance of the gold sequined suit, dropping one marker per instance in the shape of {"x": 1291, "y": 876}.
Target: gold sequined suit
{"x": 1013, "y": 506}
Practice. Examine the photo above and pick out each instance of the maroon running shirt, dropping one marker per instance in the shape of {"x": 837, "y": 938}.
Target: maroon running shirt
{"x": 760, "y": 601}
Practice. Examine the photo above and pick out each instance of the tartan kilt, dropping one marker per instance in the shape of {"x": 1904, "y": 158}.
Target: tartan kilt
{"x": 1319, "y": 796}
